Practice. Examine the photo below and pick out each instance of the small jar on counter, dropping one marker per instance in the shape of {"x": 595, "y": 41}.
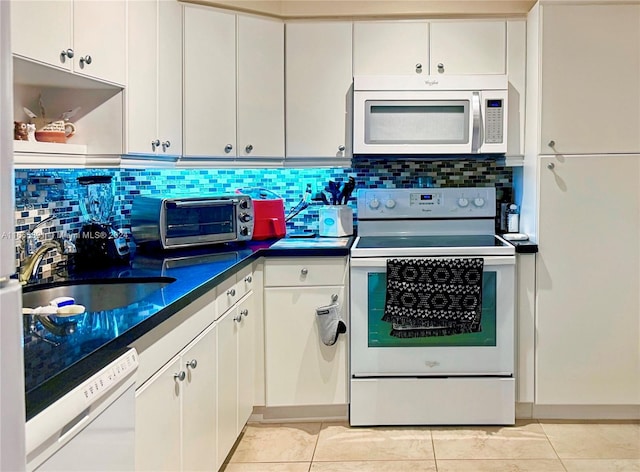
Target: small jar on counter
{"x": 513, "y": 218}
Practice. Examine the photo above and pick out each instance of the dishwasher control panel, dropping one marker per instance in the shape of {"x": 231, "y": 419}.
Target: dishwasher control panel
{"x": 111, "y": 375}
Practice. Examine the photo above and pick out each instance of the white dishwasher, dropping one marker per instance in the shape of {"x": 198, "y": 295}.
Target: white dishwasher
{"x": 90, "y": 428}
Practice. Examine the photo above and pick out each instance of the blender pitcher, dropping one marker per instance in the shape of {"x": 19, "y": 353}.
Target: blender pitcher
{"x": 98, "y": 243}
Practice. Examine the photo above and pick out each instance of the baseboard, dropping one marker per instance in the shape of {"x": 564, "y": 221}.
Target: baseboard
{"x": 586, "y": 412}
{"x": 524, "y": 411}
{"x": 290, "y": 414}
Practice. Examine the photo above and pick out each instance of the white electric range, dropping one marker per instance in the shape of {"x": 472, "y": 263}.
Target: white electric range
{"x": 409, "y": 376}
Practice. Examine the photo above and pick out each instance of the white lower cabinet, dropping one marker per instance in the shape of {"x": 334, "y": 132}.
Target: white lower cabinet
{"x": 176, "y": 411}
{"x": 299, "y": 368}
{"x": 236, "y": 341}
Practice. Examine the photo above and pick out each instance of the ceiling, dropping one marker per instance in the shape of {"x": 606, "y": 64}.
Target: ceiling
{"x": 316, "y": 9}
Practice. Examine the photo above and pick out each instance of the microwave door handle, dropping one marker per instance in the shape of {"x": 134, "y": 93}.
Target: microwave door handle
{"x": 476, "y": 139}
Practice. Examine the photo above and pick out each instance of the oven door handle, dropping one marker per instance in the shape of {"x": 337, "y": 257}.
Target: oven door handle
{"x": 381, "y": 262}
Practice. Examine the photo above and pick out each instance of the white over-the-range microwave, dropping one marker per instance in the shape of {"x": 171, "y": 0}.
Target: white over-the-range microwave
{"x": 399, "y": 115}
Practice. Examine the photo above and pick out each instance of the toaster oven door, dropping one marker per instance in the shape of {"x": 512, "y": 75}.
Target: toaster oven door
{"x": 195, "y": 222}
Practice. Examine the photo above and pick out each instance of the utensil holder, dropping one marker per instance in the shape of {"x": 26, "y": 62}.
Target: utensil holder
{"x": 336, "y": 221}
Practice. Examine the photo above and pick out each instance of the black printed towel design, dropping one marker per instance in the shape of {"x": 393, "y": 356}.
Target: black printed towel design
{"x": 433, "y": 297}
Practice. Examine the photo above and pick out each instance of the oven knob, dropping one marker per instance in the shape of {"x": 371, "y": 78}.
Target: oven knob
{"x": 244, "y": 204}
{"x": 245, "y": 217}
{"x": 390, "y": 203}
{"x": 374, "y": 204}
{"x": 244, "y": 231}
{"x": 463, "y": 202}
{"x": 478, "y": 201}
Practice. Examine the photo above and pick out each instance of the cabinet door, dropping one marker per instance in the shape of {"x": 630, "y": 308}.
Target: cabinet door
{"x": 199, "y": 403}
{"x": 100, "y": 32}
{"x": 246, "y": 359}
{"x": 158, "y": 421}
{"x": 169, "y": 72}
{"x": 41, "y": 30}
{"x": 300, "y": 369}
{"x": 467, "y": 47}
{"x": 227, "y": 360}
{"x": 390, "y": 48}
{"x": 209, "y": 82}
{"x": 142, "y": 82}
{"x": 588, "y": 274}
{"x": 260, "y": 87}
{"x": 318, "y": 76}
{"x": 590, "y": 77}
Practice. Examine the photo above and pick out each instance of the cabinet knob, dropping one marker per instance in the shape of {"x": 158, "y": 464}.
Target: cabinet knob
{"x": 551, "y": 166}
{"x": 304, "y": 271}
{"x": 341, "y": 148}
{"x": 166, "y": 145}
{"x": 237, "y": 318}
{"x": 440, "y": 67}
{"x": 85, "y": 60}
{"x": 228, "y": 148}
{"x": 418, "y": 67}
{"x": 551, "y": 143}
{"x": 155, "y": 144}
{"x": 334, "y": 297}
{"x": 66, "y": 53}
{"x": 248, "y": 148}
{"x": 244, "y": 312}
{"x": 248, "y": 279}
{"x": 231, "y": 292}
{"x": 180, "y": 376}
{"x": 192, "y": 364}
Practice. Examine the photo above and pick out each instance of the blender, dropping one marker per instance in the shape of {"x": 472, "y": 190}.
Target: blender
{"x": 98, "y": 243}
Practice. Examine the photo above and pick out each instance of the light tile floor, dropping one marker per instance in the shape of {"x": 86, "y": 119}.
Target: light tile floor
{"x": 529, "y": 446}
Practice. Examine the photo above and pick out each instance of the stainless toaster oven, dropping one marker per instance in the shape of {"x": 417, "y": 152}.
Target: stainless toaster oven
{"x": 191, "y": 221}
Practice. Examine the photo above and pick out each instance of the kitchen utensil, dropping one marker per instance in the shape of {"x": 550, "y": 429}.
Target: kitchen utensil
{"x": 346, "y": 191}
{"x": 334, "y": 190}
{"x": 67, "y": 310}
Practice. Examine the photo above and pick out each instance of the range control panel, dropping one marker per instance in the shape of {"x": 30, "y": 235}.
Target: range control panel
{"x": 420, "y": 203}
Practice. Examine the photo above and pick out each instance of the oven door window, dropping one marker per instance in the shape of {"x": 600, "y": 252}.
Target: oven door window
{"x": 201, "y": 221}
{"x": 379, "y": 332}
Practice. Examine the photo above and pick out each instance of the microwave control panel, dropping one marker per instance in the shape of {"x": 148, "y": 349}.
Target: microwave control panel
{"x": 494, "y": 111}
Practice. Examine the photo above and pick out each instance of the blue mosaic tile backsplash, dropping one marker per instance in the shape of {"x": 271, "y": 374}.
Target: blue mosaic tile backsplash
{"x": 55, "y": 193}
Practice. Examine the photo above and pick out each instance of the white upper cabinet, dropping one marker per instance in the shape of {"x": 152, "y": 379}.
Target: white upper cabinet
{"x": 590, "y": 76}
{"x": 467, "y": 47}
{"x": 390, "y": 47}
{"x": 87, "y": 37}
{"x": 154, "y": 85}
{"x": 209, "y": 82}
{"x": 232, "y": 108}
{"x": 260, "y": 87}
{"x": 318, "y": 76}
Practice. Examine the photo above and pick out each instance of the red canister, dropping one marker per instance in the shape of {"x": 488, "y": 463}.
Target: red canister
{"x": 269, "y": 219}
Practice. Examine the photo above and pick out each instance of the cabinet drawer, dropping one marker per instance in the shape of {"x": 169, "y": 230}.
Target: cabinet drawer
{"x": 226, "y": 295}
{"x": 244, "y": 282}
{"x": 307, "y": 271}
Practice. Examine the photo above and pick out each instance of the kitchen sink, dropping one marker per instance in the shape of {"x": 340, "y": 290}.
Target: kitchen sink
{"x": 98, "y": 295}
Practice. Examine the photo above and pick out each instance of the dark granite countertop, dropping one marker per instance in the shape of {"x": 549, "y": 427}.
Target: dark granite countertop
{"x": 55, "y": 367}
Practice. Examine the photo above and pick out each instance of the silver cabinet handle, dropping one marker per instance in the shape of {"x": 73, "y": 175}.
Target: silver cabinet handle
{"x": 341, "y": 148}
{"x": 440, "y": 67}
{"x": 248, "y": 279}
{"x": 231, "y": 292}
{"x": 85, "y": 60}
{"x": 192, "y": 364}
{"x": 304, "y": 271}
{"x": 244, "y": 312}
{"x": 228, "y": 148}
{"x": 68, "y": 53}
{"x": 334, "y": 297}
{"x": 551, "y": 166}
{"x": 166, "y": 144}
{"x": 551, "y": 143}
{"x": 180, "y": 376}
{"x": 248, "y": 148}
{"x": 155, "y": 144}
{"x": 237, "y": 318}
{"x": 418, "y": 67}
